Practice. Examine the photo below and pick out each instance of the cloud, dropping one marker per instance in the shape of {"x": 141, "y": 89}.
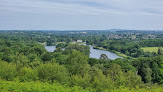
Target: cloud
{"x": 53, "y": 7}
{"x": 81, "y": 14}
{"x": 89, "y": 7}
{"x": 126, "y": 6}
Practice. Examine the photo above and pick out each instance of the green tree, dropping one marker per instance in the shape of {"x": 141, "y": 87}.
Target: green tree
{"x": 99, "y": 80}
{"x": 34, "y": 63}
{"x": 132, "y": 79}
{"x": 46, "y": 57}
{"x": 148, "y": 73}
{"x": 93, "y": 61}
{"x": 23, "y": 60}
{"x": 159, "y": 51}
{"x": 104, "y": 57}
{"x": 59, "y": 49}
{"x": 52, "y": 72}
{"x": 155, "y": 73}
{"x": 7, "y": 71}
{"x": 78, "y": 80}
{"x": 116, "y": 74}
{"x": 77, "y": 63}
{"x": 81, "y": 48}
{"x": 28, "y": 74}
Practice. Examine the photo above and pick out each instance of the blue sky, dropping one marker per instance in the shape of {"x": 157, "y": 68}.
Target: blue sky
{"x": 81, "y": 14}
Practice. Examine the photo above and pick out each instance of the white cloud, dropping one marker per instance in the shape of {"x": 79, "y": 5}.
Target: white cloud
{"x": 127, "y": 6}
{"x": 43, "y": 7}
{"x": 84, "y": 6}
{"x": 57, "y": 14}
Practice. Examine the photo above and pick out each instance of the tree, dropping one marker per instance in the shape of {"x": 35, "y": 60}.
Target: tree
{"x": 78, "y": 80}
{"x": 59, "y": 49}
{"x": 155, "y": 73}
{"x": 62, "y": 45}
{"x": 132, "y": 79}
{"x": 34, "y": 63}
{"x": 46, "y": 57}
{"x": 53, "y": 72}
{"x": 23, "y": 60}
{"x": 81, "y": 48}
{"x": 77, "y": 63}
{"x": 104, "y": 57}
{"x": 93, "y": 61}
{"x": 159, "y": 51}
{"x": 116, "y": 74}
{"x": 99, "y": 80}
{"x": 28, "y": 74}
{"x": 148, "y": 73}
{"x": 49, "y": 43}
{"x": 7, "y": 71}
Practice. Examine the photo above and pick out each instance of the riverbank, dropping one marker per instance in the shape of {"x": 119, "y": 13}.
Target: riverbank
{"x": 113, "y": 51}
{"x": 94, "y": 53}
{"x": 122, "y": 55}
{"x": 97, "y": 48}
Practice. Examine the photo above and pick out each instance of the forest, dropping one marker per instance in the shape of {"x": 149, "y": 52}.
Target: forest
{"x": 25, "y": 64}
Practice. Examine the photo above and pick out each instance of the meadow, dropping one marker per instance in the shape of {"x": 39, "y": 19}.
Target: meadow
{"x": 150, "y": 49}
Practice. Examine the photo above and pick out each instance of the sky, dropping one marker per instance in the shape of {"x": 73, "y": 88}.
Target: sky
{"x": 81, "y": 14}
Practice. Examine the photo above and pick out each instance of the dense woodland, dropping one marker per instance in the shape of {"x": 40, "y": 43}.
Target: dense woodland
{"x": 25, "y": 64}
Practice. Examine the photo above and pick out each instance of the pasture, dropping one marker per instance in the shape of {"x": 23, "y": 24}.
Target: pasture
{"x": 150, "y": 49}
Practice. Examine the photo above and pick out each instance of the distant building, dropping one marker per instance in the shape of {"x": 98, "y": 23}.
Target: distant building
{"x": 79, "y": 41}
{"x": 133, "y": 37}
{"x": 48, "y": 36}
{"x": 83, "y": 32}
{"x": 151, "y": 36}
{"x": 71, "y": 32}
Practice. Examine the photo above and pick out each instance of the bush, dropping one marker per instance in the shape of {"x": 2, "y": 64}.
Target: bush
{"x": 27, "y": 74}
{"x": 52, "y": 72}
{"x": 7, "y": 71}
{"x": 7, "y": 86}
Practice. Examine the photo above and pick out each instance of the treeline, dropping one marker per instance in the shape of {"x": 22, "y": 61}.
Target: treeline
{"x": 127, "y": 46}
{"x": 151, "y": 43}
{"x": 27, "y": 61}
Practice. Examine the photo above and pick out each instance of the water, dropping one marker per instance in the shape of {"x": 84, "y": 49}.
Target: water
{"x": 97, "y": 53}
{"x": 94, "y": 53}
{"x": 50, "y": 48}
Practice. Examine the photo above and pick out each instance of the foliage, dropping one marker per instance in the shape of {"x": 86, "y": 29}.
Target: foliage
{"x": 25, "y": 65}
{"x": 80, "y": 48}
{"x": 28, "y": 74}
{"x": 52, "y": 72}
{"x": 150, "y": 49}
{"x": 7, "y": 71}
{"x": 8, "y": 86}
{"x": 77, "y": 63}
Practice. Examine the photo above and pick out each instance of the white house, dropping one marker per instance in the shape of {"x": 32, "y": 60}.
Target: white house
{"x": 79, "y": 41}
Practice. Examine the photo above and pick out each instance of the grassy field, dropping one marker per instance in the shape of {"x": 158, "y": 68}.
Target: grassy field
{"x": 150, "y": 49}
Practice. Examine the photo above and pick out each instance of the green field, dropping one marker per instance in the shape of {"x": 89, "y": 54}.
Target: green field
{"x": 150, "y": 49}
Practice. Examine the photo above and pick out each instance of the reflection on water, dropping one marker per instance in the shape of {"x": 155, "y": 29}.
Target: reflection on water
{"x": 94, "y": 53}
{"x": 97, "y": 53}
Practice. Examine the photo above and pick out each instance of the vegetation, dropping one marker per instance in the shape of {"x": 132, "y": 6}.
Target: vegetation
{"x": 7, "y": 86}
{"x": 25, "y": 65}
{"x": 150, "y": 49}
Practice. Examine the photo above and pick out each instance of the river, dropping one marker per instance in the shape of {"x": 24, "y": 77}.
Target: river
{"x": 94, "y": 53}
